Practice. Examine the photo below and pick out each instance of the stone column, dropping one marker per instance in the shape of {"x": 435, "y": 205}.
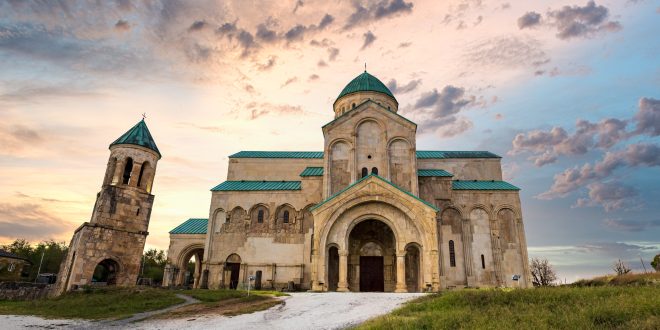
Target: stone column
{"x": 342, "y": 286}
{"x": 401, "y": 272}
{"x": 467, "y": 251}
{"x": 316, "y": 285}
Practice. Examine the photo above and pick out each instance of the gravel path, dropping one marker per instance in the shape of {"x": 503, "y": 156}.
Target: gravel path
{"x": 331, "y": 310}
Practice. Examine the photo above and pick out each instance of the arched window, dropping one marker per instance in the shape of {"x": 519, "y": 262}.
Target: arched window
{"x": 483, "y": 262}
{"x": 452, "y": 254}
{"x": 374, "y": 170}
{"x": 353, "y": 105}
{"x": 127, "y": 170}
{"x": 365, "y": 172}
{"x": 285, "y": 217}
{"x": 260, "y": 216}
{"x": 142, "y": 168}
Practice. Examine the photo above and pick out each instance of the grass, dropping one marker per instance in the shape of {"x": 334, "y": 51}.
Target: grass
{"x": 227, "y": 302}
{"x": 618, "y": 304}
{"x": 627, "y": 279}
{"x": 95, "y": 304}
{"x": 219, "y": 295}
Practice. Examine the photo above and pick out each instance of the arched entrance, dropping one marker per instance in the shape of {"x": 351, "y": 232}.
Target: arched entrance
{"x": 371, "y": 257}
{"x": 333, "y": 268}
{"x": 105, "y": 272}
{"x": 190, "y": 267}
{"x": 232, "y": 270}
{"x": 412, "y": 268}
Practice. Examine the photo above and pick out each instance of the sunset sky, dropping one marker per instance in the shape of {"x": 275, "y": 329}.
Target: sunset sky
{"x": 568, "y": 92}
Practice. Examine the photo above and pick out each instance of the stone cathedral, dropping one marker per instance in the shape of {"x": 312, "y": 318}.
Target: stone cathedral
{"x": 368, "y": 213}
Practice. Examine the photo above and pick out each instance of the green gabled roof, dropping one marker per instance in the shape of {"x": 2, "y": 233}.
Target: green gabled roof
{"x": 365, "y": 83}
{"x": 482, "y": 185}
{"x": 278, "y": 154}
{"x": 138, "y": 135}
{"x": 312, "y": 171}
{"x": 382, "y": 179}
{"x": 421, "y": 154}
{"x": 442, "y": 173}
{"x": 191, "y": 226}
{"x": 434, "y": 154}
{"x": 257, "y": 185}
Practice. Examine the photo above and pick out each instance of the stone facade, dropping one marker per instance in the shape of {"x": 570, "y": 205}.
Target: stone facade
{"x": 374, "y": 216}
{"x": 107, "y": 250}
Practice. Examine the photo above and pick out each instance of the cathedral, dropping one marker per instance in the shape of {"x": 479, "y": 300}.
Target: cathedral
{"x": 368, "y": 213}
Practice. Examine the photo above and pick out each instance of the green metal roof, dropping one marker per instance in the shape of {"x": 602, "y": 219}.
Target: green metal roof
{"x": 278, "y": 154}
{"x": 191, "y": 226}
{"x": 482, "y": 185}
{"x": 421, "y": 154}
{"x": 442, "y": 173}
{"x": 312, "y": 171}
{"x": 257, "y": 185}
{"x": 426, "y": 154}
{"x": 138, "y": 135}
{"x": 382, "y": 179}
{"x": 365, "y": 82}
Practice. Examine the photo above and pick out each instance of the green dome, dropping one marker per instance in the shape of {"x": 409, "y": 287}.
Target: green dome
{"x": 138, "y": 135}
{"x": 365, "y": 83}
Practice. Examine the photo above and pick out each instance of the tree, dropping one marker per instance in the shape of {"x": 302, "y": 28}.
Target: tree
{"x": 542, "y": 272}
{"x": 53, "y": 253}
{"x": 620, "y": 268}
{"x": 656, "y": 263}
{"x": 154, "y": 265}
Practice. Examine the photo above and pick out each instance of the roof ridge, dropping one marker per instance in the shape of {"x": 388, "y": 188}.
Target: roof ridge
{"x": 138, "y": 135}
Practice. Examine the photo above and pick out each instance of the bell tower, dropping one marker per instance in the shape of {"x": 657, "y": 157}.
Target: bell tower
{"x": 107, "y": 250}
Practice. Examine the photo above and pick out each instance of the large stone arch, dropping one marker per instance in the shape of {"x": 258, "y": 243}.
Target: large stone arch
{"x": 181, "y": 264}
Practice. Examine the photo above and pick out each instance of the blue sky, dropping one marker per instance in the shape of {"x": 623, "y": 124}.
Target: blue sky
{"x": 512, "y": 77}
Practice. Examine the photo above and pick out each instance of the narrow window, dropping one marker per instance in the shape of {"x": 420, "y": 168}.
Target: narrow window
{"x": 365, "y": 172}
{"x": 483, "y": 262}
{"x": 138, "y": 212}
{"x": 452, "y": 254}
{"x": 260, "y": 216}
{"x": 286, "y": 217}
{"x": 127, "y": 170}
{"x": 353, "y": 105}
{"x": 374, "y": 170}
{"x": 139, "y": 184}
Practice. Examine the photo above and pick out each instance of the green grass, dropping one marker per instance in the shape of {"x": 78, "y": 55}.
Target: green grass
{"x": 602, "y": 307}
{"x": 95, "y": 304}
{"x": 210, "y": 296}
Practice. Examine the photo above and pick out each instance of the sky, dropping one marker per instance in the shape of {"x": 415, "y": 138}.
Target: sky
{"x": 567, "y": 92}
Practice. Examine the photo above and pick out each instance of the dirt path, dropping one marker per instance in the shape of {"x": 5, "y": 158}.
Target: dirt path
{"x": 300, "y": 311}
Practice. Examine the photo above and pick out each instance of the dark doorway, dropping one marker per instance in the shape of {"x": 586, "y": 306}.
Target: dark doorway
{"x": 333, "y": 268}
{"x": 257, "y": 281}
{"x": 371, "y": 274}
{"x": 412, "y": 268}
{"x": 234, "y": 269}
{"x": 106, "y": 272}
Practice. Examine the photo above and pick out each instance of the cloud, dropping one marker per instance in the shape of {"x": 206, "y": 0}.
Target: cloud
{"x": 313, "y": 77}
{"x": 290, "y": 81}
{"x": 369, "y": 38}
{"x": 332, "y": 53}
{"x": 326, "y": 21}
{"x": 409, "y": 87}
{"x": 437, "y": 111}
{"x": 122, "y": 25}
{"x": 299, "y": 4}
{"x": 269, "y": 64}
{"x": 530, "y": 19}
{"x": 197, "y": 26}
{"x": 262, "y": 109}
{"x": 506, "y": 52}
{"x": 321, "y": 63}
{"x": 405, "y": 44}
{"x": 29, "y": 221}
{"x": 611, "y": 196}
{"x": 376, "y": 10}
{"x": 634, "y": 155}
{"x": 547, "y": 146}
{"x": 630, "y": 225}
{"x": 265, "y": 34}
{"x": 647, "y": 118}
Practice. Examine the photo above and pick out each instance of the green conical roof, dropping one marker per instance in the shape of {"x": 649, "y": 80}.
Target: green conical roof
{"x": 138, "y": 135}
{"x": 365, "y": 82}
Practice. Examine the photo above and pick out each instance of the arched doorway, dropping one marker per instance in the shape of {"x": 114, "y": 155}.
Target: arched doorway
{"x": 371, "y": 257}
{"x": 232, "y": 270}
{"x": 190, "y": 267}
{"x": 333, "y": 268}
{"x": 105, "y": 272}
{"x": 412, "y": 268}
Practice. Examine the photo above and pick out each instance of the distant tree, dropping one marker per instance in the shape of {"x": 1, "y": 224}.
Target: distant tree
{"x": 656, "y": 263}
{"x": 620, "y": 268}
{"x": 154, "y": 265}
{"x": 542, "y": 272}
{"x": 52, "y": 251}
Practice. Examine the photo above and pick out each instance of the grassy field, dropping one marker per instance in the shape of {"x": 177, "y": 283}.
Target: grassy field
{"x": 624, "y": 303}
{"x": 96, "y": 304}
{"x": 111, "y": 303}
